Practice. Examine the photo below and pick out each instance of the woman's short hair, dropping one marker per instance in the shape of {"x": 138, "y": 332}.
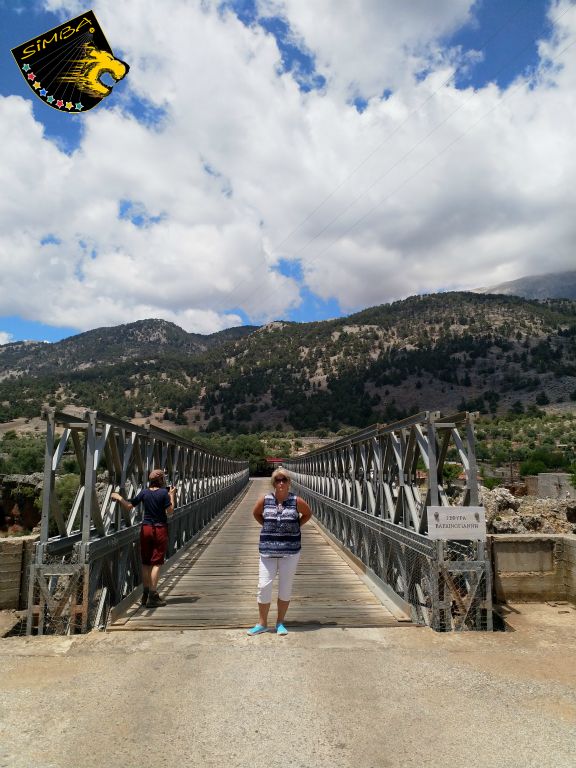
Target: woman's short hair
{"x": 279, "y": 472}
{"x": 156, "y": 478}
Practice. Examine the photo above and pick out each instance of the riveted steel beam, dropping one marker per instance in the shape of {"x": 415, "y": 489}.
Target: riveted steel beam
{"x": 372, "y": 489}
{"x": 87, "y": 559}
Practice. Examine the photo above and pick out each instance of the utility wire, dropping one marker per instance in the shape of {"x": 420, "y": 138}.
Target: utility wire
{"x": 396, "y": 130}
{"x": 377, "y": 149}
{"x": 400, "y": 160}
{"x": 510, "y": 92}
{"x": 414, "y": 146}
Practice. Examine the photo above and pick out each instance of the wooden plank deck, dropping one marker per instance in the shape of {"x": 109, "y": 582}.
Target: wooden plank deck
{"x": 213, "y": 583}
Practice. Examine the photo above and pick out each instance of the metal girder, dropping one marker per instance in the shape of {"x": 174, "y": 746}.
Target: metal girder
{"x": 371, "y": 490}
{"x": 87, "y": 559}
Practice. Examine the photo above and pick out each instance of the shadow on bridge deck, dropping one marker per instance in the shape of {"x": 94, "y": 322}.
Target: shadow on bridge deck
{"x": 213, "y": 583}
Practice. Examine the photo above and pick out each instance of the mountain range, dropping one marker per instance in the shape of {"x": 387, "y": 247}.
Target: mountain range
{"x": 107, "y": 346}
{"x": 554, "y": 285}
{"x": 445, "y": 351}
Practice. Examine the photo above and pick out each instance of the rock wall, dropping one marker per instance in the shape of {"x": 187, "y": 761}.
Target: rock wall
{"x": 16, "y": 553}
{"x": 19, "y": 514}
{"x": 569, "y": 556}
{"x": 506, "y": 513}
{"x": 534, "y": 568}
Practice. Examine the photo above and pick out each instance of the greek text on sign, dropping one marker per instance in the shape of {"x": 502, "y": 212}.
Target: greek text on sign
{"x": 460, "y": 523}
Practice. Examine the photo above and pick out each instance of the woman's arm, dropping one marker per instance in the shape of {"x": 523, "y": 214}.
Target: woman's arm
{"x": 258, "y": 511}
{"x": 123, "y": 502}
{"x": 172, "y": 497}
{"x": 304, "y": 510}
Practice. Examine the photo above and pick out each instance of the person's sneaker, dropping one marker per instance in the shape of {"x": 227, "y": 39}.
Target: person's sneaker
{"x": 144, "y": 598}
{"x": 281, "y": 629}
{"x": 257, "y": 630}
{"x": 155, "y": 601}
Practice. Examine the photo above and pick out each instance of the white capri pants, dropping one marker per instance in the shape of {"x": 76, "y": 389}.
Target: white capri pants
{"x": 285, "y": 567}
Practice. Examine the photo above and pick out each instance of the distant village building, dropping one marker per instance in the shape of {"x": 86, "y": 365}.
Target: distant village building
{"x": 551, "y": 485}
{"x": 274, "y": 462}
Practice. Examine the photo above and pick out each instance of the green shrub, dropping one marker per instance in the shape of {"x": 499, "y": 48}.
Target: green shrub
{"x": 66, "y": 489}
{"x": 21, "y": 455}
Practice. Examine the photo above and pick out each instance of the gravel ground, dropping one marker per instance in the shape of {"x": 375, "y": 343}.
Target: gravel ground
{"x": 321, "y": 698}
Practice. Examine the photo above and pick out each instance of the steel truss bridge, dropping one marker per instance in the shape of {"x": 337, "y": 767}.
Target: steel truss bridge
{"x": 87, "y": 559}
{"x": 369, "y": 491}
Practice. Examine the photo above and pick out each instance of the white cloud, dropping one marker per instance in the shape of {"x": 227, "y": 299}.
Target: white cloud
{"x": 366, "y": 46}
{"x": 5, "y": 337}
{"x": 462, "y": 188}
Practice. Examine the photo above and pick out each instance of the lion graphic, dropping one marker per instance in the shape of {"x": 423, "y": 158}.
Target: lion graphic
{"x": 87, "y": 71}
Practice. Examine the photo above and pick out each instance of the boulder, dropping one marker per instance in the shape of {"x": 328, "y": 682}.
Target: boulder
{"x": 509, "y": 524}
{"x": 528, "y": 514}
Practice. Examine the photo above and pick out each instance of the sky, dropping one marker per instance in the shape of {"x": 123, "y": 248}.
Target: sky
{"x": 286, "y": 159}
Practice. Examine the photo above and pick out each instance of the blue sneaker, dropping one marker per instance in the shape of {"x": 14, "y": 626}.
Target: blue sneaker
{"x": 281, "y": 629}
{"x": 257, "y": 630}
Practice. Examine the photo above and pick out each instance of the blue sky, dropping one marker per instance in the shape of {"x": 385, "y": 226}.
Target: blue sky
{"x": 281, "y": 159}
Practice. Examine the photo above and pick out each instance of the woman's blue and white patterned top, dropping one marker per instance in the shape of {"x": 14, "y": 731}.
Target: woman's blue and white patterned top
{"x": 280, "y": 534}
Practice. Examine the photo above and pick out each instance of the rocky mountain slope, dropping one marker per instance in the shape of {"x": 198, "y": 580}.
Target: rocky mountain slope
{"x": 556, "y": 285}
{"x": 106, "y": 346}
{"x": 444, "y": 351}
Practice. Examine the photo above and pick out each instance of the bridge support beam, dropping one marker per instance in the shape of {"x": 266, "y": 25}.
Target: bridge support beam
{"x": 371, "y": 491}
{"x": 87, "y": 559}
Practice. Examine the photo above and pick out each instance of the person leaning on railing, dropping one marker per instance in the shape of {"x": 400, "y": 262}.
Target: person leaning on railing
{"x": 158, "y": 504}
{"x": 281, "y": 515}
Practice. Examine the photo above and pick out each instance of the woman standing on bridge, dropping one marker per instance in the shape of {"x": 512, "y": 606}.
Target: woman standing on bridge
{"x": 281, "y": 515}
{"x": 158, "y": 503}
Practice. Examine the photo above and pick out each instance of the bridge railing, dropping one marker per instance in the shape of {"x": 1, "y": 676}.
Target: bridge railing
{"x": 372, "y": 490}
{"x": 87, "y": 558}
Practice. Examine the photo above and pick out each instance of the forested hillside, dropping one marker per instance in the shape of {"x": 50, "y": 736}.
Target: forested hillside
{"x": 442, "y": 352}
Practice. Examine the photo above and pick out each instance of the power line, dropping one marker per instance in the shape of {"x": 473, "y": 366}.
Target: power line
{"x": 429, "y": 162}
{"x": 391, "y": 135}
{"x": 415, "y": 146}
{"x": 352, "y": 173}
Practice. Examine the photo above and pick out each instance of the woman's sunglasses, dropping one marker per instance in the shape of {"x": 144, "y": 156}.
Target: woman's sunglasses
{"x": 280, "y": 480}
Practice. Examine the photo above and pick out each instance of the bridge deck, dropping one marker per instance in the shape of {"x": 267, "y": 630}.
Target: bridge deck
{"x": 213, "y": 583}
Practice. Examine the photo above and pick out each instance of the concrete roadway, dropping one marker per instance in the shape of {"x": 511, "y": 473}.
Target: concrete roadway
{"x": 318, "y": 698}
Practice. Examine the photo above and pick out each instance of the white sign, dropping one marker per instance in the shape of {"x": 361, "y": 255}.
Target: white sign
{"x": 457, "y": 523}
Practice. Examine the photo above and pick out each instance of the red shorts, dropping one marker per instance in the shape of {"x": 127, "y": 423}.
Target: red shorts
{"x": 153, "y": 544}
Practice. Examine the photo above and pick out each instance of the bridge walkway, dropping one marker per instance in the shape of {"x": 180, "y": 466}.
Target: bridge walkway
{"x": 212, "y": 584}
